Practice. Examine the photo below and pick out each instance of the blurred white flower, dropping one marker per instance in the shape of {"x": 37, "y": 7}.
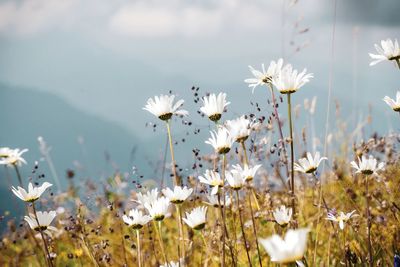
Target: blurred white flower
{"x": 13, "y": 158}
{"x": 213, "y": 106}
{"x": 264, "y": 76}
{"x": 286, "y": 250}
{"x": 309, "y": 164}
{"x": 213, "y": 179}
{"x": 33, "y": 193}
{"x": 394, "y": 104}
{"x": 341, "y": 218}
{"x": 367, "y": 165}
{"x": 240, "y": 128}
{"x": 282, "y": 215}
{"x": 178, "y": 195}
{"x": 196, "y": 219}
{"x": 247, "y": 172}
{"x": 289, "y": 80}
{"x": 388, "y": 50}
{"x": 148, "y": 197}
{"x": 136, "y": 219}
{"x": 213, "y": 201}
{"x": 221, "y": 140}
{"x": 235, "y": 180}
{"x": 5, "y": 152}
{"x": 163, "y": 107}
{"x": 45, "y": 218}
{"x": 171, "y": 264}
{"x": 158, "y": 209}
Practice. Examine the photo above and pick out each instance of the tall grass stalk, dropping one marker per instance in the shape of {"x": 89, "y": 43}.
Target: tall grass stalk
{"x": 242, "y": 228}
{"x": 292, "y": 193}
{"x": 171, "y": 148}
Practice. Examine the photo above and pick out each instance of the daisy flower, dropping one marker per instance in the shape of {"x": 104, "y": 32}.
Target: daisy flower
{"x": 247, "y": 172}
{"x": 288, "y": 80}
{"x": 5, "y": 152}
{"x": 213, "y": 106}
{"x": 158, "y": 209}
{"x": 240, "y": 128}
{"x": 136, "y": 219}
{"x": 309, "y": 164}
{"x": 213, "y": 179}
{"x": 33, "y": 193}
{"x": 45, "y": 218}
{"x": 282, "y": 215}
{"x": 213, "y": 201}
{"x": 235, "y": 180}
{"x": 163, "y": 107}
{"x": 289, "y": 249}
{"x": 178, "y": 195}
{"x": 264, "y": 76}
{"x": 196, "y": 219}
{"x": 148, "y": 197}
{"x": 394, "y": 104}
{"x": 221, "y": 140}
{"x": 367, "y": 165}
{"x": 13, "y": 158}
{"x": 388, "y": 50}
{"x": 341, "y": 218}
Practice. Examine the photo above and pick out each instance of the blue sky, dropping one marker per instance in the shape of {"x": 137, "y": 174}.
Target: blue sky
{"x": 107, "y": 57}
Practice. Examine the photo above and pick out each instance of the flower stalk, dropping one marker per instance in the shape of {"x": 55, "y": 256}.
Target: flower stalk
{"x": 171, "y": 148}
{"x": 293, "y": 196}
{"x": 368, "y": 214}
{"x": 242, "y": 228}
{"x": 48, "y": 259}
{"x": 139, "y": 253}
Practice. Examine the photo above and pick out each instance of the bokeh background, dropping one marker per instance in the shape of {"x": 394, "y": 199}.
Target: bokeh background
{"x": 79, "y": 72}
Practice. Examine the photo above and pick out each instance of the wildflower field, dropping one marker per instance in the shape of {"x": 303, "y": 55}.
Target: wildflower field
{"x": 256, "y": 197}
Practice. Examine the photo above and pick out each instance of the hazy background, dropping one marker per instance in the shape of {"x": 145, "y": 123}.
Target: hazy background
{"x": 79, "y": 72}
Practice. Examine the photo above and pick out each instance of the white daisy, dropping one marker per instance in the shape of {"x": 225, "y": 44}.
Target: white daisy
{"x": 178, "y": 195}
{"x": 264, "y": 76}
{"x": 388, "y": 50}
{"x": 286, "y": 250}
{"x": 33, "y": 193}
{"x": 213, "y": 201}
{"x": 289, "y": 80}
{"x": 213, "y": 179}
{"x": 158, "y": 209}
{"x": 136, "y": 219}
{"x": 148, "y": 197}
{"x": 367, "y": 165}
{"x": 309, "y": 164}
{"x": 5, "y": 152}
{"x": 235, "y": 180}
{"x": 196, "y": 219}
{"x": 163, "y": 107}
{"x": 394, "y": 104}
{"x": 240, "y": 128}
{"x": 221, "y": 140}
{"x": 247, "y": 172}
{"x": 45, "y": 218}
{"x": 213, "y": 106}
{"x": 282, "y": 215}
{"x": 341, "y": 218}
{"x": 14, "y": 157}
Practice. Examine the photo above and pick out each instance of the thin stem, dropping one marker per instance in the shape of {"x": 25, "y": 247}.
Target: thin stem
{"x": 242, "y": 227}
{"x": 181, "y": 249}
{"x": 48, "y": 259}
{"x": 18, "y": 175}
{"x": 291, "y": 156}
{"x": 398, "y": 62}
{"x": 246, "y": 163}
{"x": 280, "y": 130}
{"x": 368, "y": 222}
{"x": 139, "y": 256}
{"x": 223, "y": 226}
{"x": 254, "y": 227}
{"x": 158, "y": 230}
{"x": 171, "y": 148}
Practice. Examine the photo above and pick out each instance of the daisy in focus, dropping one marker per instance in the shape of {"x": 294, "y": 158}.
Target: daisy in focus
{"x": 368, "y": 165}
{"x": 388, "y": 50}
{"x": 341, "y": 218}
{"x": 136, "y": 219}
{"x": 309, "y": 164}
{"x": 220, "y": 140}
{"x": 44, "y": 218}
{"x": 394, "y": 104}
{"x": 33, "y": 193}
{"x": 264, "y": 76}
{"x": 288, "y": 80}
{"x": 235, "y": 180}
{"x": 240, "y": 128}
{"x": 158, "y": 209}
{"x": 178, "y": 195}
{"x": 163, "y": 107}
{"x": 213, "y": 179}
{"x": 213, "y": 106}
{"x": 247, "y": 172}
{"x": 196, "y": 219}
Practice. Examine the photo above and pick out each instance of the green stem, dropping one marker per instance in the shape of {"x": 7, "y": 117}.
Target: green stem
{"x": 158, "y": 230}
{"x": 181, "y": 249}
{"x": 18, "y": 175}
{"x": 398, "y": 62}
{"x": 48, "y": 259}
{"x": 171, "y": 148}
{"x": 242, "y": 227}
{"x": 293, "y": 196}
{"x": 370, "y": 260}
{"x": 139, "y": 256}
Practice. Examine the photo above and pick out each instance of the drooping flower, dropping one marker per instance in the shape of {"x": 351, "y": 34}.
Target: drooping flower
{"x": 136, "y": 219}
{"x": 158, "y": 209}
{"x": 213, "y": 179}
{"x": 178, "y": 195}
{"x": 247, "y": 172}
{"x": 163, "y": 107}
{"x": 282, "y": 215}
{"x": 309, "y": 164}
{"x": 341, "y": 218}
{"x": 221, "y": 140}
{"x": 235, "y": 180}
{"x": 148, "y": 197}
{"x": 213, "y": 106}
{"x": 196, "y": 219}
{"x": 286, "y": 250}
{"x": 367, "y": 165}
{"x": 394, "y": 104}
{"x": 45, "y": 218}
{"x": 240, "y": 128}
{"x": 213, "y": 201}
{"x": 264, "y": 76}
{"x": 288, "y": 80}
{"x": 13, "y": 158}
{"x": 33, "y": 193}
{"x": 388, "y": 50}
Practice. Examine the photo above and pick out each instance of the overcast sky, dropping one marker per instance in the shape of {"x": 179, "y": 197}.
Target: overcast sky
{"x": 107, "y": 57}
